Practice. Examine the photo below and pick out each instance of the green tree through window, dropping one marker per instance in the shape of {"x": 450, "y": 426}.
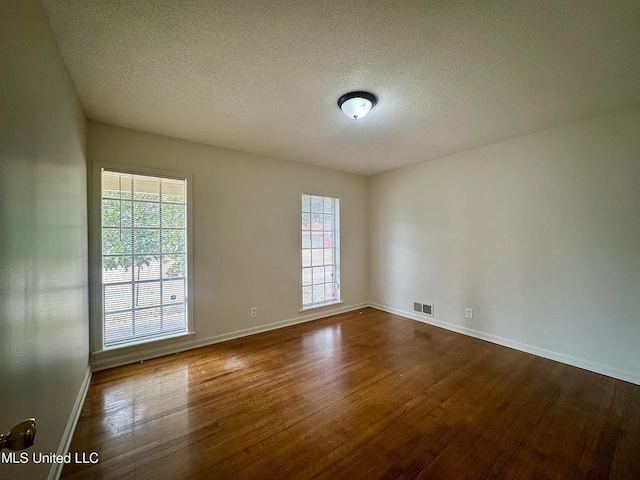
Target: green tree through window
{"x": 144, "y": 256}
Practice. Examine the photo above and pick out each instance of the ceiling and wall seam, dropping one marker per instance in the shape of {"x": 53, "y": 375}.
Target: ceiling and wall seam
{"x": 264, "y": 78}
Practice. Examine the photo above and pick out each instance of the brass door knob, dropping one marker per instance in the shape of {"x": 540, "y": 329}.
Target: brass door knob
{"x": 20, "y": 437}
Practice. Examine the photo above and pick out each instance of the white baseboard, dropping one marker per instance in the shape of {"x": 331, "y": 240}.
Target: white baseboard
{"x": 115, "y": 358}
{"x": 63, "y": 449}
{"x": 523, "y": 347}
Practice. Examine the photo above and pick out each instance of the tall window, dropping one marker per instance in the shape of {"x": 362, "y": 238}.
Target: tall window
{"x": 144, "y": 257}
{"x": 320, "y": 250}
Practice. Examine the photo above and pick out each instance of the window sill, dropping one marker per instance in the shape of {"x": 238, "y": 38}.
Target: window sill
{"x": 145, "y": 342}
{"x": 322, "y": 305}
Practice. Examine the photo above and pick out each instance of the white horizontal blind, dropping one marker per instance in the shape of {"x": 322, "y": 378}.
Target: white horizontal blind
{"x": 320, "y": 250}
{"x": 144, "y": 257}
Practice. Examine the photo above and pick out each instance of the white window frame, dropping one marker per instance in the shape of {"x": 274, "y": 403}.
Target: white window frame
{"x": 337, "y": 258}
{"x": 97, "y": 300}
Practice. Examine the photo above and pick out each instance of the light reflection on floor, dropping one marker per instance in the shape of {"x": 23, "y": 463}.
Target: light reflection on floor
{"x": 234, "y": 363}
{"x": 125, "y": 404}
{"x": 327, "y": 340}
{"x": 129, "y": 410}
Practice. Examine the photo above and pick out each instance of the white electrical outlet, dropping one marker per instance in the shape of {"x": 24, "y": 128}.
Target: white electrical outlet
{"x": 254, "y": 312}
{"x": 468, "y": 313}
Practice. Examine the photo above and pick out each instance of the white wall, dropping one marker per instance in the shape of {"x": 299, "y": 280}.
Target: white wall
{"x": 540, "y": 235}
{"x": 245, "y": 226}
{"x": 43, "y": 233}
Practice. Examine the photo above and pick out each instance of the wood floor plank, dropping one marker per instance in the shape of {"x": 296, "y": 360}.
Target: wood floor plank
{"x": 365, "y": 394}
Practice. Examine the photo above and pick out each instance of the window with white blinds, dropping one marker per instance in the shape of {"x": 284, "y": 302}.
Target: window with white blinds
{"x": 144, "y": 257}
{"x": 320, "y": 250}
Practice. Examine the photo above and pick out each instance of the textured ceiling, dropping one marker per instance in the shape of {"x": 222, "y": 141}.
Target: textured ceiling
{"x": 265, "y": 76}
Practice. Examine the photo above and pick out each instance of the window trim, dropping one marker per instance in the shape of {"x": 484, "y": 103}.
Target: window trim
{"x": 95, "y": 256}
{"x": 337, "y": 253}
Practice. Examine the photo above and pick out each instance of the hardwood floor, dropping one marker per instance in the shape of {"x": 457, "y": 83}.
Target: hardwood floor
{"x": 361, "y": 395}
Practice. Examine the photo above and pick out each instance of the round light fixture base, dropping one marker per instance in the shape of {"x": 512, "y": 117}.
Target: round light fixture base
{"x": 357, "y": 104}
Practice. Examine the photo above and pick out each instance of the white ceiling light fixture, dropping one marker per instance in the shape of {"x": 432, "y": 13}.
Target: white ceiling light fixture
{"x": 357, "y": 104}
